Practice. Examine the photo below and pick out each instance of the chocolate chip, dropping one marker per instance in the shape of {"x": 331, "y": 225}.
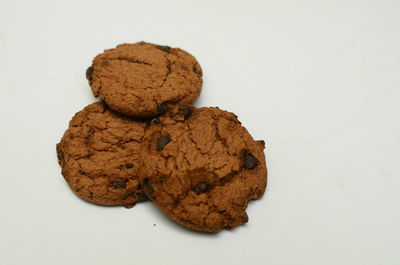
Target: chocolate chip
{"x": 141, "y": 197}
{"x": 89, "y": 73}
{"x": 162, "y": 108}
{"x": 147, "y": 188}
{"x": 129, "y": 165}
{"x": 156, "y": 121}
{"x": 163, "y": 48}
{"x": 118, "y": 185}
{"x": 60, "y": 154}
{"x": 162, "y": 141}
{"x": 250, "y": 161}
{"x": 187, "y": 112}
{"x": 200, "y": 188}
{"x": 197, "y": 71}
{"x": 104, "y": 63}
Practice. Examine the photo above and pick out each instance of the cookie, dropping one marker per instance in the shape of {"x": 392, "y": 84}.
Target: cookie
{"x": 139, "y": 79}
{"x": 202, "y": 167}
{"x": 99, "y": 156}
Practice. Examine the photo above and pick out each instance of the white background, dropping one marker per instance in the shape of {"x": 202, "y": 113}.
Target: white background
{"x": 319, "y": 81}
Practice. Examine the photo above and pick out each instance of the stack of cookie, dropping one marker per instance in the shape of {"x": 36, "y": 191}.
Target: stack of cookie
{"x": 145, "y": 140}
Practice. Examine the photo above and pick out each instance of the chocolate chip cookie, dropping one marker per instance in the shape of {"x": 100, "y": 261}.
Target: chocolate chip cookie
{"x": 202, "y": 167}
{"x": 99, "y": 156}
{"x": 139, "y": 79}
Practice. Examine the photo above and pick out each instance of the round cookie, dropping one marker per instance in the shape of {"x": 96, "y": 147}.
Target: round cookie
{"x": 202, "y": 167}
{"x": 99, "y": 156}
{"x": 140, "y": 79}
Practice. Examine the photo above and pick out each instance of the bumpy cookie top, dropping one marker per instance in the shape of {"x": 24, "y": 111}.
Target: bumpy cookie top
{"x": 137, "y": 79}
{"x": 201, "y": 167}
{"x": 99, "y": 156}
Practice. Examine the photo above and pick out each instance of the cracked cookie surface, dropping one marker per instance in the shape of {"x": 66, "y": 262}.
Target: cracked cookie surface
{"x": 99, "y": 156}
{"x": 136, "y": 79}
{"x": 202, "y": 167}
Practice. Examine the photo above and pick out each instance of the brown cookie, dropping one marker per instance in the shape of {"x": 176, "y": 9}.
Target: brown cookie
{"x": 201, "y": 167}
{"x": 139, "y": 79}
{"x": 99, "y": 156}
